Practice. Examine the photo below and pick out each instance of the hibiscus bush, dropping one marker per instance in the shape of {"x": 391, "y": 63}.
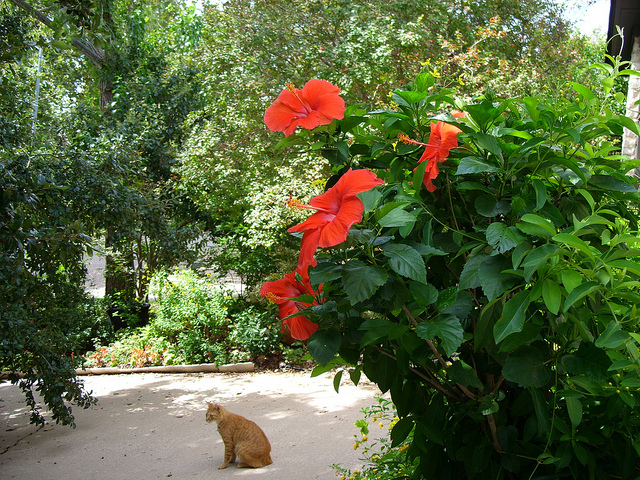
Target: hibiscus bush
{"x": 479, "y": 261}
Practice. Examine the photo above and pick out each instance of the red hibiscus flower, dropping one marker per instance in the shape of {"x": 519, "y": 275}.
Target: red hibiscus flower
{"x": 443, "y": 138}
{"x": 337, "y": 210}
{"x": 318, "y": 103}
{"x": 282, "y": 291}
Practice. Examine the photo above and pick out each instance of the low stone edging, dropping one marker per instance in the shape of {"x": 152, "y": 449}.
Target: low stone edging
{"x": 197, "y": 368}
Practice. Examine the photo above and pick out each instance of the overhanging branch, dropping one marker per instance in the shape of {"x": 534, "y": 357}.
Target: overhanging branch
{"x": 97, "y": 56}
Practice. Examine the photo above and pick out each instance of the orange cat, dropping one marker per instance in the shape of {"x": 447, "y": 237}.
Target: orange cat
{"x": 241, "y": 437}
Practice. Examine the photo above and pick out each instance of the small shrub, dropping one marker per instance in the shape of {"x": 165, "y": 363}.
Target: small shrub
{"x": 296, "y": 354}
{"x": 256, "y": 332}
{"x": 384, "y": 460}
{"x": 193, "y": 315}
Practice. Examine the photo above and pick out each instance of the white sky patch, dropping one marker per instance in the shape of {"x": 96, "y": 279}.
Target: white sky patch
{"x": 590, "y": 19}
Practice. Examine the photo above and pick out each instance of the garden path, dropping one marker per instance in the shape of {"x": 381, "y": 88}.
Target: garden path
{"x": 151, "y": 426}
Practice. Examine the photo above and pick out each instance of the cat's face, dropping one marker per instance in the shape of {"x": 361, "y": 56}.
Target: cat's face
{"x": 213, "y": 412}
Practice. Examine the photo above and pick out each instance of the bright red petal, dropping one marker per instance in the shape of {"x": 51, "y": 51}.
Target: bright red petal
{"x": 317, "y": 220}
{"x": 314, "y": 89}
{"x": 443, "y": 138}
{"x": 308, "y": 246}
{"x": 311, "y": 121}
{"x": 430, "y": 174}
{"x": 354, "y": 182}
{"x": 318, "y": 103}
{"x": 283, "y": 111}
{"x": 336, "y": 231}
{"x": 282, "y": 289}
{"x": 301, "y": 328}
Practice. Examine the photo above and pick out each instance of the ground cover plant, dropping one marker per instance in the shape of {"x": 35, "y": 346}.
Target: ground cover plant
{"x": 478, "y": 260}
{"x": 382, "y": 460}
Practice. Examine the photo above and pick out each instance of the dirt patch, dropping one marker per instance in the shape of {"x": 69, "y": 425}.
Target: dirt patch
{"x": 152, "y": 426}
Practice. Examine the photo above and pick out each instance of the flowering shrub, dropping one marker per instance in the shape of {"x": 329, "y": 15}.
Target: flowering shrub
{"x": 145, "y": 357}
{"x": 498, "y": 304}
{"x": 136, "y": 348}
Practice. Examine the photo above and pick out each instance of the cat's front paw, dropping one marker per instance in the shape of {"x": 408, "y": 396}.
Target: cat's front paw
{"x": 224, "y": 465}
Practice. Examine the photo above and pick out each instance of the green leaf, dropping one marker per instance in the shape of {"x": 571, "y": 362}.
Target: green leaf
{"x": 541, "y": 408}
{"x": 380, "y": 369}
{"x": 579, "y": 293}
{"x": 324, "y": 345}
{"x": 469, "y": 276}
{"x": 406, "y": 261}
{"x": 537, "y": 257}
{"x": 529, "y": 333}
{"x": 575, "y": 242}
{"x": 361, "y": 281}
{"x": 447, "y": 328}
{"x": 551, "y": 296}
{"x": 488, "y": 206}
{"x": 625, "y": 121}
{"x": 487, "y": 142}
{"x": 539, "y": 221}
{"x": 409, "y": 96}
{"x": 592, "y": 386}
{"x": 336, "y": 381}
{"x": 612, "y": 337}
{"x": 424, "y": 294}
{"x": 570, "y": 279}
{"x": 527, "y": 367}
{"x": 482, "y": 114}
{"x": 541, "y": 193}
{"x": 493, "y": 282}
{"x": 401, "y": 431}
{"x": 608, "y": 182}
{"x": 324, "y": 272}
{"x": 472, "y": 186}
{"x": 469, "y": 165}
{"x": 574, "y": 407}
{"x": 62, "y": 45}
{"x": 397, "y": 217}
{"x": 461, "y": 306}
{"x": 513, "y": 316}
{"x": 418, "y": 176}
{"x": 483, "y": 333}
{"x": 503, "y": 238}
{"x": 370, "y": 199}
{"x": 377, "y": 328}
{"x": 463, "y": 374}
{"x": 424, "y": 81}
{"x": 584, "y": 91}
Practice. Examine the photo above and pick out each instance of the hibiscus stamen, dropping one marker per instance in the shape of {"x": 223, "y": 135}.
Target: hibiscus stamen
{"x": 296, "y": 204}
{"x": 305, "y": 106}
{"x": 404, "y": 138}
{"x": 272, "y": 297}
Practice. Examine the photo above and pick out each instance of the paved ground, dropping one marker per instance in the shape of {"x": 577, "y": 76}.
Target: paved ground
{"x": 151, "y": 426}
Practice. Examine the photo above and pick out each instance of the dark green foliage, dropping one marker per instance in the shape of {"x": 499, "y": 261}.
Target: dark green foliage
{"x": 42, "y": 292}
{"x": 499, "y": 310}
{"x": 254, "y": 331}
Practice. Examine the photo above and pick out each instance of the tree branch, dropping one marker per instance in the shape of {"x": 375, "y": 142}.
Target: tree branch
{"x": 97, "y": 56}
